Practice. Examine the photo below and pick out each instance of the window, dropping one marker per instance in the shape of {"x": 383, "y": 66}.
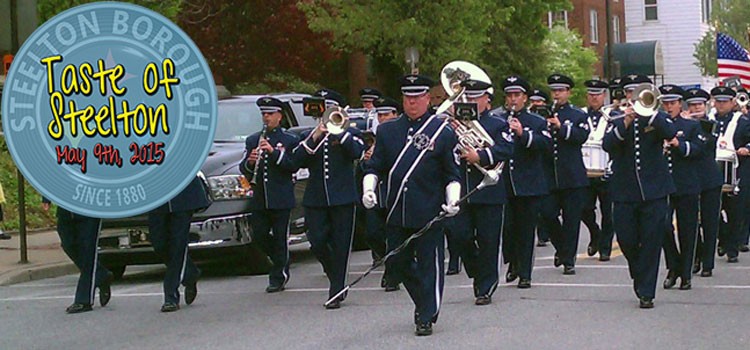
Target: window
{"x": 706, "y": 10}
{"x": 650, "y": 9}
{"x": 616, "y": 29}
{"x": 560, "y": 17}
{"x": 594, "y": 26}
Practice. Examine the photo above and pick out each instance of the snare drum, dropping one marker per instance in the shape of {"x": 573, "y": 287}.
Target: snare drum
{"x": 594, "y": 158}
{"x": 727, "y": 163}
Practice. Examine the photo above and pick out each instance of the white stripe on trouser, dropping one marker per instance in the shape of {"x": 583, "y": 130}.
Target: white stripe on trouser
{"x": 96, "y": 262}
{"x": 286, "y": 249}
{"x": 182, "y": 270}
{"x": 351, "y": 241}
{"x": 499, "y": 251}
{"x": 437, "y": 280}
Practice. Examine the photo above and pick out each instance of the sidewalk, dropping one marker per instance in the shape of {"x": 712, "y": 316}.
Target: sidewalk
{"x": 46, "y": 259}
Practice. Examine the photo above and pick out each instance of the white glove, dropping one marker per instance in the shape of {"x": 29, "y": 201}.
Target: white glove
{"x": 452, "y": 195}
{"x": 369, "y": 199}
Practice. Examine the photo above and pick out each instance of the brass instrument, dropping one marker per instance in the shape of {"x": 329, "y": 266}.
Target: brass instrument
{"x": 743, "y": 99}
{"x": 335, "y": 119}
{"x": 471, "y": 134}
{"x": 254, "y": 181}
{"x": 645, "y": 101}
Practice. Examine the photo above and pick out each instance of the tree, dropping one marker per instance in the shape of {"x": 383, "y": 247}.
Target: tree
{"x": 728, "y": 17}
{"x": 502, "y": 36}
{"x": 49, "y": 8}
{"x": 568, "y": 56}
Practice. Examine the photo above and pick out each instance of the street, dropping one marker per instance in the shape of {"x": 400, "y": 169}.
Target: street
{"x": 594, "y": 309}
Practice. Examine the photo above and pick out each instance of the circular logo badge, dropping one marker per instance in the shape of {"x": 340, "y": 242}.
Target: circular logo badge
{"x": 109, "y": 109}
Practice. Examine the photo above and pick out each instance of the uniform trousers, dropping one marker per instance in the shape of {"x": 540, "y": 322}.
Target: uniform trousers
{"x": 521, "y": 215}
{"x": 79, "y": 236}
{"x": 601, "y": 236}
{"x": 640, "y": 232}
{"x": 330, "y": 231}
{"x": 710, "y": 213}
{"x": 169, "y": 234}
{"x": 564, "y": 236}
{"x": 271, "y": 234}
{"x": 477, "y": 231}
{"x": 680, "y": 257}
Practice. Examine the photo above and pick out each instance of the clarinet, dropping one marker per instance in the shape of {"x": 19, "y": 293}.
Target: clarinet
{"x": 253, "y": 181}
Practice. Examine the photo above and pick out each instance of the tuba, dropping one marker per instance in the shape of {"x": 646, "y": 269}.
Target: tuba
{"x": 742, "y": 99}
{"x": 470, "y": 134}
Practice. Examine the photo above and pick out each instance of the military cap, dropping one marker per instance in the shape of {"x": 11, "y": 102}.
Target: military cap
{"x": 596, "y": 87}
{"x": 671, "y": 92}
{"x": 696, "y": 96}
{"x": 415, "y": 84}
{"x": 369, "y": 94}
{"x": 723, "y": 93}
{"x": 559, "y": 81}
{"x": 332, "y": 97}
{"x": 476, "y": 88}
{"x": 538, "y": 95}
{"x": 385, "y": 105}
{"x": 515, "y": 83}
{"x": 629, "y": 82}
{"x": 268, "y": 104}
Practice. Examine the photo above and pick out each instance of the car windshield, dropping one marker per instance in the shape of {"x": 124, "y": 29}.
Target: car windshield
{"x": 237, "y": 120}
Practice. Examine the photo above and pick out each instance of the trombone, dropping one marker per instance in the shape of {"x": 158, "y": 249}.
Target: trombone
{"x": 335, "y": 119}
{"x": 645, "y": 101}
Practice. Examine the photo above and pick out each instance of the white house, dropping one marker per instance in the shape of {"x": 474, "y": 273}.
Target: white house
{"x": 678, "y": 25}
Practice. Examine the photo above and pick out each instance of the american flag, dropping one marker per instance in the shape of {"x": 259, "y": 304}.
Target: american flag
{"x": 733, "y": 59}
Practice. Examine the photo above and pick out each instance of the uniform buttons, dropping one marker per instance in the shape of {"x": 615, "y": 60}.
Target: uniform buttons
{"x": 638, "y": 168}
{"x": 468, "y": 170}
{"x": 406, "y": 189}
{"x": 556, "y": 158}
{"x": 637, "y": 161}
{"x": 325, "y": 156}
{"x": 637, "y": 138}
{"x": 511, "y": 161}
{"x": 637, "y": 153}
{"x": 637, "y": 146}
{"x": 327, "y": 177}
{"x": 511, "y": 167}
{"x": 265, "y": 180}
{"x": 555, "y": 151}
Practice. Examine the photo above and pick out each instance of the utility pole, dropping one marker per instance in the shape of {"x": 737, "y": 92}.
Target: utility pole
{"x": 14, "y": 46}
{"x": 608, "y": 70}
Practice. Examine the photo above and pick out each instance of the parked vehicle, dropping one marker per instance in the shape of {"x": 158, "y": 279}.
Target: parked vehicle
{"x": 223, "y": 231}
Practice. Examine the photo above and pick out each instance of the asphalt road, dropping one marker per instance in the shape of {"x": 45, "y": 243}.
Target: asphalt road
{"x": 595, "y": 309}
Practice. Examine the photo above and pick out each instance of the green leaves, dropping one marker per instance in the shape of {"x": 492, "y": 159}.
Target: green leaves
{"x": 729, "y": 17}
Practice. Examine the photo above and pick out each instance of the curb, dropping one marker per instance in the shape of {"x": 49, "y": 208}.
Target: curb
{"x": 37, "y": 272}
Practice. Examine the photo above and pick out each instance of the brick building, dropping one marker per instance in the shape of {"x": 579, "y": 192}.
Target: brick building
{"x": 588, "y": 17}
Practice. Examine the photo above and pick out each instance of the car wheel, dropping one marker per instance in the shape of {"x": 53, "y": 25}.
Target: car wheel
{"x": 117, "y": 271}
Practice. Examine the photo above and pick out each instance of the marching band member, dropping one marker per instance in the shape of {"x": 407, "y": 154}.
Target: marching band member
{"x": 273, "y": 192}
{"x": 640, "y": 186}
{"x": 169, "y": 231}
{"x": 742, "y": 142}
{"x": 79, "y": 238}
{"x": 538, "y": 105}
{"x": 682, "y": 153}
{"x": 478, "y": 227}
{"x": 727, "y": 119}
{"x": 387, "y": 109}
{"x": 414, "y": 156}
{"x": 525, "y": 181}
{"x": 330, "y": 195}
{"x": 711, "y": 182}
{"x": 568, "y": 182}
{"x": 601, "y": 237}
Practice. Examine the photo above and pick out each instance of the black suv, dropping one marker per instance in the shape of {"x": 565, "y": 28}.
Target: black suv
{"x": 223, "y": 230}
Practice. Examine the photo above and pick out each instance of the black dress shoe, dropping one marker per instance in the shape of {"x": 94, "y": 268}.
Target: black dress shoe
{"x": 670, "y": 281}
{"x": 336, "y": 304}
{"x": 191, "y": 292}
{"x": 706, "y": 273}
{"x": 721, "y": 251}
{"x": 569, "y": 270}
{"x": 685, "y": 284}
{"x": 270, "y": 289}
{"x": 392, "y": 288}
{"x": 170, "y": 307}
{"x": 541, "y": 243}
{"x": 743, "y": 248}
{"x": 732, "y": 259}
{"x": 510, "y": 276}
{"x": 591, "y": 250}
{"x": 105, "y": 290}
{"x": 524, "y": 283}
{"x": 383, "y": 282}
{"x": 77, "y": 308}
{"x": 483, "y": 300}
{"x": 697, "y": 267}
{"x": 4, "y": 236}
{"x": 604, "y": 257}
{"x": 556, "y": 261}
{"x": 424, "y": 328}
{"x": 646, "y": 303}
